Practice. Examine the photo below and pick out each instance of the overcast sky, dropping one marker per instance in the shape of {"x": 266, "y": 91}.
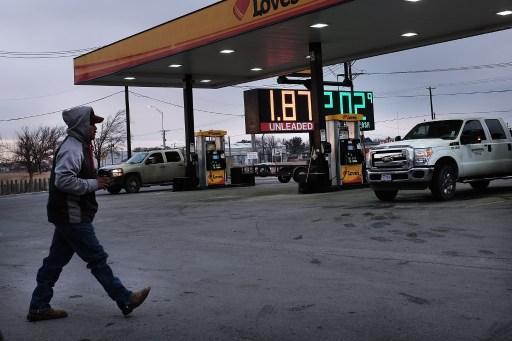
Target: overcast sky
{"x": 38, "y": 86}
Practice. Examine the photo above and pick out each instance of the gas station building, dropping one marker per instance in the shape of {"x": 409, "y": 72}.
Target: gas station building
{"x": 239, "y": 41}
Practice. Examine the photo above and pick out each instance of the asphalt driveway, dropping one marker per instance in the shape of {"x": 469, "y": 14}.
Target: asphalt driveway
{"x": 265, "y": 263}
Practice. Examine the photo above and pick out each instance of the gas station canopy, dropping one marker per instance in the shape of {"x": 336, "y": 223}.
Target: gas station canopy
{"x": 269, "y": 38}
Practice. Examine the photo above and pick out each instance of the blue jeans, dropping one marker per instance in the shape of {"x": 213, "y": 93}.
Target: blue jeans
{"x": 68, "y": 239}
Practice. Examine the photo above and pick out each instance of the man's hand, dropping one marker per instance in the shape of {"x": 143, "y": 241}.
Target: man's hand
{"x": 103, "y": 182}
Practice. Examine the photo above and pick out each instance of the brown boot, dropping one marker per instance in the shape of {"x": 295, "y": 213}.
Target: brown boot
{"x": 47, "y": 314}
{"x": 136, "y": 299}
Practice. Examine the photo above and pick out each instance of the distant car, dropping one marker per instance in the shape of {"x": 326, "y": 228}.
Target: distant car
{"x": 156, "y": 167}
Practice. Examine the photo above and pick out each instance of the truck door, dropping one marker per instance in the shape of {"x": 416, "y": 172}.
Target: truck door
{"x": 501, "y": 153}
{"x": 474, "y": 147}
{"x": 154, "y": 171}
{"x": 175, "y": 165}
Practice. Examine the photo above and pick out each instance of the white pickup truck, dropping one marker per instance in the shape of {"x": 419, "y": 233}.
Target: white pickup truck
{"x": 438, "y": 154}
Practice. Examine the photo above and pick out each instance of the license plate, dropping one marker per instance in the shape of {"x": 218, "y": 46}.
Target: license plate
{"x": 386, "y": 177}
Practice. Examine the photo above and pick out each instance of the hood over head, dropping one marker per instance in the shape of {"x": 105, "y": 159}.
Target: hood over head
{"x": 78, "y": 120}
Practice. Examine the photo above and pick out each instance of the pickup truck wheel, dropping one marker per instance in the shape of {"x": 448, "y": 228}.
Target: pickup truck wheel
{"x": 480, "y": 186}
{"x": 386, "y": 195}
{"x": 114, "y": 189}
{"x": 444, "y": 182}
{"x": 132, "y": 184}
{"x": 284, "y": 179}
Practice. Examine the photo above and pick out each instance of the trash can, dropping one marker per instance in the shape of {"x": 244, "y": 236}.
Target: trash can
{"x": 236, "y": 175}
{"x": 248, "y": 179}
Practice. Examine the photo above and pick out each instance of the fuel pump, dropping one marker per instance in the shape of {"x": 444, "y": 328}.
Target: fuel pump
{"x": 211, "y": 160}
{"x": 346, "y": 160}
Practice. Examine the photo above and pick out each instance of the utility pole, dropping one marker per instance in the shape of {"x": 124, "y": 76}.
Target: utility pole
{"x": 163, "y": 130}
{"x": 433, "y": 115}
{"x": 397, "y": 125}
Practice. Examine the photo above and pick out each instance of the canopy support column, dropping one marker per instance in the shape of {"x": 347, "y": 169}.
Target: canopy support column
{"x": 188, "y": 104}
{"x": 128, "y": 132}
{"x": 317, "y": 92}
{"x": 317, "y": 177}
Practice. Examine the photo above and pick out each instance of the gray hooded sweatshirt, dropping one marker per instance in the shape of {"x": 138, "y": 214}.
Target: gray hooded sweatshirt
{"x": 73, "y": 179}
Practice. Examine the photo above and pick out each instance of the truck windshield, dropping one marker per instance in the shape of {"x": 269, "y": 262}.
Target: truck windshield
{"x": 137, "y": 158}
{"x": 446, "y": 130}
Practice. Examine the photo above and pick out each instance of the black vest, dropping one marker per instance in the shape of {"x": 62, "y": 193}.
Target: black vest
{"x": 65, "y": 208}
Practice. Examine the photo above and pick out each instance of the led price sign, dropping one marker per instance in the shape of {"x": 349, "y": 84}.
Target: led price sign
{"x": 343, "y": 102}
{"x": 290, "y": 111}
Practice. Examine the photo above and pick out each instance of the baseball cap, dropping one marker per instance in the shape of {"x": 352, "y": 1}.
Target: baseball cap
{"x": 95, "y": 118}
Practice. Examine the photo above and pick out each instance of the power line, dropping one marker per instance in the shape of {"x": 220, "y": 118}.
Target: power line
{"x": 470, "y": 82}
{"x": 448, "y": 94}
{"x": 476, "y": 81}
{"x": 446, "y": 114}
{"x": 270, "y": 86}
{"x": 398, "y": 96}
{"x": 108, "y": 96}
{"x": 44, "y": 54}
{"x": 147, "y": 134}
{"x": 39, "y": 57}
{"x": 47, "y": 52}
{"x": 58, "y": 111}
{"x": 479, "y": 112}
{"x": 182, "y": 129}
{"x": 181, "y": 106}
{"x": 36, "y": 97}
{"x": 459, "y": 68}
{"x": 239, "y": 115}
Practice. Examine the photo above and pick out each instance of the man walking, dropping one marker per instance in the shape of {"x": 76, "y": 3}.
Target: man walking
{"x": 71, "y": 208}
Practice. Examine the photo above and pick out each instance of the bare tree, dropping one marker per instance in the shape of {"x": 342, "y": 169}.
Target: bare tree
{"x": 111, "y": 136}
{"x": 265, "y": 146}
{"x": 32, "y": 147}
{"x": 24, "y": 149}
{"x": 47, "y": 139}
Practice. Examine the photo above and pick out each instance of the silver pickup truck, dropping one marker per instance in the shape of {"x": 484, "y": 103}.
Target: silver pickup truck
{"x": 156, "y": 167}
{"x": 438, "y": 154}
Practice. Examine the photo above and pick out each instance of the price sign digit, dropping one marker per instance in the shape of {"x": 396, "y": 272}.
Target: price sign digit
{"x": 361, "y": 106}
{"x": 272, "y": 109}
{"x": 289, "y": 109}
{"x": 348, "y": 96}
{"x": 308, "y": 95}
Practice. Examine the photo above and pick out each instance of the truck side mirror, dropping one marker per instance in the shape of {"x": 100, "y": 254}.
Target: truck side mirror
{"x": 150, "y": 161}
{"x": 398, "y": 138}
